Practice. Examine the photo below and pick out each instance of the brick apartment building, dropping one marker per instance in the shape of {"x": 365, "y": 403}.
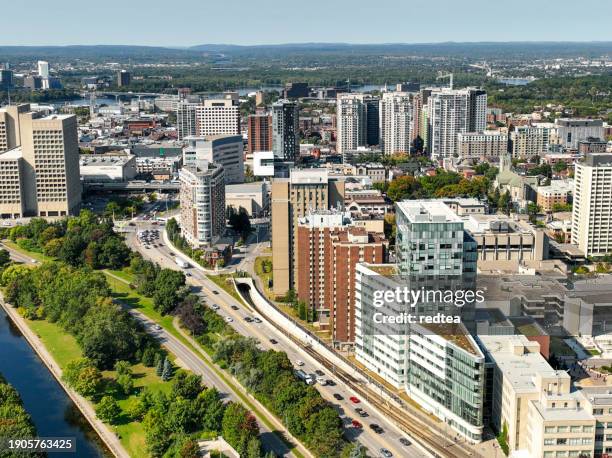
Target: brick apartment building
{"x": 330, "y": 246}
{"x": 260, "y": 132}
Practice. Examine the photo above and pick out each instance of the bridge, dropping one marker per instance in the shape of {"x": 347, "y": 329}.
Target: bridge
{"x": 131, "y": 186}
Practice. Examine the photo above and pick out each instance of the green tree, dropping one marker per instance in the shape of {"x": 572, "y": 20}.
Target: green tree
{"x": 108, "y": 410}
{"x": 126, "y": 383}
{"x": 167, "y": 370}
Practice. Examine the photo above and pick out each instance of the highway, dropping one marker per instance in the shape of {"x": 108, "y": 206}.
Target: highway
{"x": 264, "y": 332}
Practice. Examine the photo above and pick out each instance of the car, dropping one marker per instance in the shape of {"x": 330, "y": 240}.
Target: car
{"x": 321, "y": 381}
{"x": 330, "y": 382}
{"x": 248, "y": 319}
{"x": 356, "y": 424}
{"x": 319, "y": 372}
{"x": 34, "y": 261}
{"x": 234, "y": 307}
{"x": 158, "y": 327}
{"x": 338, "y": 397}
{"x": 187, "y": 274}
{"x": 405, "y": 441}
{"x": 376, "y": 428}
{"x": 354, "y": 400}
{"x": 273, "y": 341}
{"x": 131, "y": 224}
{"x": 256, "y": 320}
{"x": 215, "y": 291}
{"x": 214, "y": 307}
{"x": 386, "y": 453}
{"x": 229, "y": 319}
{"x": 299, "y": 363}
{"x": 362, "y": 413}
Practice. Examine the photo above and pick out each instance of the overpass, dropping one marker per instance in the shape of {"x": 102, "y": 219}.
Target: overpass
{"x": 132, "y": 186}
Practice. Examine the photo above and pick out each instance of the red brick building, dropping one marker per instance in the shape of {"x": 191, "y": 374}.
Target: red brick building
{"x": 260, "y": 133}
{"x": 330, "y": 247}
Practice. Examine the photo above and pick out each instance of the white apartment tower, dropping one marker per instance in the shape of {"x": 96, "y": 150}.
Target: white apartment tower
{"x": 186, "y": 119}
{"x": 592, "y": 207}
{"x": 451, "y": 112}
{"x": 351, "y": 122}
{"x": 395, "y": 122}
{"x": 202, "y": 198}
{"x": 43, "y": 69}
{"x": 219, "y": 116}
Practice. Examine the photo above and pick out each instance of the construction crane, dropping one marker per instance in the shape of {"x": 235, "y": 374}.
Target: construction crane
{"x": 447, "y": 75}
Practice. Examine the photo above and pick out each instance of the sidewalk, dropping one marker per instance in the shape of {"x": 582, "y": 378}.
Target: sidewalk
{"x": 106, "y": 434}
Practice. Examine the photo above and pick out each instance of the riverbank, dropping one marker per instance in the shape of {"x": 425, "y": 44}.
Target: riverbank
{"x": 106, "y": 435}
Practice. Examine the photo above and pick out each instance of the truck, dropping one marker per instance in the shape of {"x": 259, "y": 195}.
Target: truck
{"x": 181, "y": 263}
{"x": 309, "y": 379}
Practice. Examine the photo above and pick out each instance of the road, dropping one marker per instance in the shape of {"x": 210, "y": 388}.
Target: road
{"x": 195, "y": 363}
{"x": 263, "y": 332}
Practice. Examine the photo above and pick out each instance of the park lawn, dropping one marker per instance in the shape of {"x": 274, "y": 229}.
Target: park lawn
{"x": 32, "y": 254}
{"x": 62, "y": 346}
{"x": 264, "y": 276}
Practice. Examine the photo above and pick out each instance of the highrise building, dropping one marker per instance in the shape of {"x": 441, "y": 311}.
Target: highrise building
{"x": 124, "y": 78}
{"x": 451, "y": 112}
{"x": 186, "y": 119}
{"x": 592, "y": 206}
{"x": 571, "y": 131}
{"x": 395, "y": 122}
{"x": 202, "y": 199}
{"x": 6, "y": 79}
{"x": 440, "y": 366}
{"x": 259, "y": 132}
{"x": 330, "y": 247}
{"x": 529, "y": 141}
{"x": 357, "y": 121}
{"x": 285, "y": 130}
{"x": 225, "y": 150}
{"x": 39, "y": 163}
{"x": 43, "y": 69}
{"x": 292, "y": 198}
{"x": 219, "y": 116}
{"x": 489, "y": 143}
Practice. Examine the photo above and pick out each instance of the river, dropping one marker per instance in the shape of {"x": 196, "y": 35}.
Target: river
{"x": 52, "y": 411}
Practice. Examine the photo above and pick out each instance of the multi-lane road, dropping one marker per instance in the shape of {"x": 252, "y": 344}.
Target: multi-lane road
{"x": 270, "y": 338}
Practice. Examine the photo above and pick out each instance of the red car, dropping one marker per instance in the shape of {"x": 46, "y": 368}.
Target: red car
{"x": 356, "y": 424}
{"x": 354, "y": 400}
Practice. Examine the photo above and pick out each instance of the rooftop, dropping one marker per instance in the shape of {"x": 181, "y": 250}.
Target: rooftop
{"x": 14, "y": 153}
{"x": 309, "y": 176}
{"x": 424, "y": 211}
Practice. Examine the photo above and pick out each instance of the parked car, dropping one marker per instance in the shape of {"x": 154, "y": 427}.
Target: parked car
{"x": 234, "y": 307}
{"x": 386, "y": 453}
{"x": 405, "y": 441}
{"x": 319, "y": 372}
{"x": 299, "y": 363}
{"x": 330, "y": 382}
{"x": 354, "y": 400}
{"x": 273, "y": 341}
{"x": 338, "y": 396}
{"x": 356, "y": 424}
{"x": 362, "y": 413}
{"x": 376, "y": 428}
{"x": 229, "y": 319}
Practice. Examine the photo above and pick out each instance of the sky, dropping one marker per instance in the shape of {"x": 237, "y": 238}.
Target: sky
{"x": 248, "y": 22}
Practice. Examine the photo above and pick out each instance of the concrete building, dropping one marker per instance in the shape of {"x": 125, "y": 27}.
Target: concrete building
{"x": 202, "y": 199}
{"x": 476, "y": 145}
{"x": 451, "y": 112}
{"x": 543, "y": 414}
{"x": 33, "y": 82}
{"x": 49, "y": 163}
{"x": 259, "y": 132}
{"x": 186, "y": 119}
{"x": 330, "y": 247}
{"x": 573, "y": 130}
{"x": 226, "y": 150}
{"x": 528, "y": 141}
{"x": 12, "y": 200}
{"x": 292, "y": 198}
{"x": 504, "y": 244}
{"x": 592, "y": 145}
{"x": 591, "y": 224}
{"x": 395, "y": 122}
{"x": 43, "y": 69}
{"x": 253, "y": 197}
{"x": 124, "y": 78}
{"x": 100, "y": 168}
{"x": 218, "y": 116}
{"x": 357, "y": 121}
{"x": 6, "y": 79}
{"x": 285, "y": 130}
{"x": 557, "y": 193}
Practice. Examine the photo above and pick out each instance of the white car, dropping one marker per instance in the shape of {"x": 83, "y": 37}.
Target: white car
{"x": 158, "y": 327}
{"x": 229, "y": 319}
{"x": 299, "y": 363}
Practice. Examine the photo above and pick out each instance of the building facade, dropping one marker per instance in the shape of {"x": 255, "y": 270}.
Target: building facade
{"x": 571, "y": 131}
{"x": 202, "y": 199}
{"x": 475, "y": 145}
{"x": 218, "y": 116}
{"x": 285, "y": 130}
{"x": 226, "y": 150}
{"x": 259, "y": 133}
{"x": 396, "y": 122}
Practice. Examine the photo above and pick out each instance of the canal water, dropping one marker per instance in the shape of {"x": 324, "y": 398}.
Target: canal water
{"x": 52, "y": 411}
